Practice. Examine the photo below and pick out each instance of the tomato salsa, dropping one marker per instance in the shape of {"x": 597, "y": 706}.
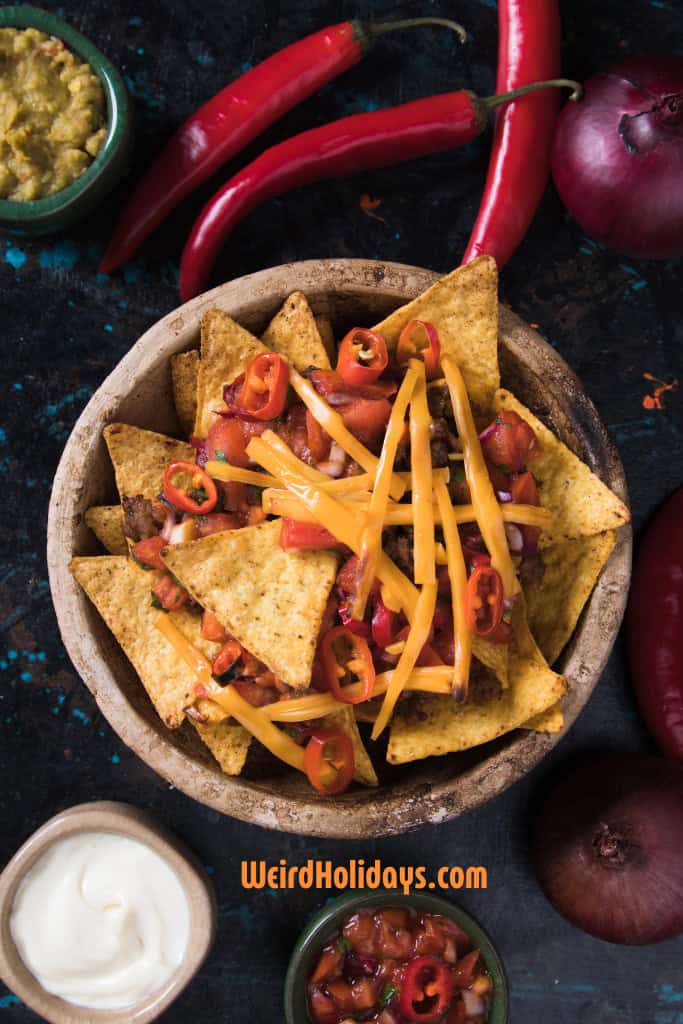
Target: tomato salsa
{"x": 395, "y": 965}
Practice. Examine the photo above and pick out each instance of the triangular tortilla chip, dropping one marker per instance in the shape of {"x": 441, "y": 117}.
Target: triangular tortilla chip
{"x": 271, "y": 600}
{"x": 184, "y": 376}
{"x": 294, "y": 333}
{"x": 345, "y": 721}
{"x": 226, "y": 350}
{"x": 570, "y": 571}
{"x": 581, "y": 504}
{"x": 326, "y": 332}
{"x": 106, "y": 522}
{"x": 464, "y": 309}
{"x": 121, "y": 592}
{"x": 229, "y": 744}
{"x": 493, "y": 656}
{"x": 140, "y": 458}
{"x": 442, "y": 726}
{"x": 551, "y": 720}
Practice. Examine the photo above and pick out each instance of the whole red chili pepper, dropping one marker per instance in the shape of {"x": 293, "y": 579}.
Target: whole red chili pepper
{"x": 655, "y": 626}
{"x": 227, "y": 122}
{"x": 519, "y": 168}
{"x": 359, "y": 142}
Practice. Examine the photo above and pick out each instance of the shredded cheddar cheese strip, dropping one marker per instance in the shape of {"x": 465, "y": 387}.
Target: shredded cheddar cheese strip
{"x": 224, "y": 471}
{"x": 457, "y": 574}
{"x": 271, "y": 452}
{"x": 235, "y": 706}
{"x": 421, "y": 465}
{"x": 371, "y": 541}
{"x": 330, "y": 420}
{"x": 486, "y": 507}
{"x": 279, "y": 502}
{"x": 417, "y": 638}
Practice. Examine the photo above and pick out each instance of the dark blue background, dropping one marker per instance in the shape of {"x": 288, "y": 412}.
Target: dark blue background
{"x": 64, "y": 327}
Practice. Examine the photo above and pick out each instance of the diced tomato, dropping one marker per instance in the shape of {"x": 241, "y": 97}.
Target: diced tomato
{"x": 341, "y": 993}
{"x": 465, "y": 969}
{"x": 322, "y": 1007}
{"x": 457, "y": 1013}
{"x": 500, "y": 481}
{"x": 234, "y": 495}
{"x": 359, "y": 930}
{"x": 226, "y": 442}
{"x": 329, "y": 383}
{"x": 364, "y": 993}
{"x": 429, "y": 939}
{"x": 366, "y": 418}
{"x": 254, "y": 515}
{"x": 170, "y": 595}
{"x": 383, "y": 623}
{"x": 257, "y": 696}
{"x": 211, "y": 628}
{"x": 217, "y": 522}
{"x": 525, "y": 492}
{"x": 509, "y": 441}
{"x": 295, "y": 536}
{"x": 148, "y": 551}
{"x": 427, "y": 657}
{"x": 229, "y": 653}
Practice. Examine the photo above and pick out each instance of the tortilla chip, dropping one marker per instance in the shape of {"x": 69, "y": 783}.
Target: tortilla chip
{"x": 368, "y": 710}
{"x": 106, "y": 522}
{"x": 140, "y": 458}
{"x": 294, "y": 333}
{"x": 442, "y": 726}
{"x": 571, "y": 569}
{"x": 226, "y": 350}
{"x": 184, "y": 375}
{"x": 326, "y": 332}
{"x": 493, "y": 656}
{"x": 581, "y": 504}
{"x": 464, "y": 309}
{"x": 551, "y": 720}
{"x": 345, "y": 721}
{"x": 229, "y": 744}
{"x": 271, "y": 600}
{"x": 121, "y": 592}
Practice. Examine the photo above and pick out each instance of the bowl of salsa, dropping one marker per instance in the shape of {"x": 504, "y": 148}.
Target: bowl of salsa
{"x": 383, "y": 957}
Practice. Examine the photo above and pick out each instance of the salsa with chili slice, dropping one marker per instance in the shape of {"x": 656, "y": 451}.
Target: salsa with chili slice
{"x": 395, "y": 965}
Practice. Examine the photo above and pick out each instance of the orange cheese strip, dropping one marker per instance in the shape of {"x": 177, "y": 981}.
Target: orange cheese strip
{"x": 371, "y": 542}
{"x": 417, "y": 638}
{"x": 235, "y": 706}
{"x": 271, "y": 452}
{"x": 224, "y": 471}
{"x": 457, "y": 574}
{"x": 421, "y": 467}
{"x": 486, "y": 507}
{"x": 330, "y": 420}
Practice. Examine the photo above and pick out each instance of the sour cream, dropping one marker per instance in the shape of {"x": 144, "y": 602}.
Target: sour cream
{"x": 101, "y": 920}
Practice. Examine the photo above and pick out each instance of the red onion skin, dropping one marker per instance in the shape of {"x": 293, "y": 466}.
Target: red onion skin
{"x": 608, "y": 845}
{"x": 617, "y": 157}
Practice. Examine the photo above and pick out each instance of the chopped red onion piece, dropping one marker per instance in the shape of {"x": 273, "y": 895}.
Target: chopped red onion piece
{"x": 504, "y": 496}
{"x": 474, "y": 1004}
{"x": 515, "y": 538}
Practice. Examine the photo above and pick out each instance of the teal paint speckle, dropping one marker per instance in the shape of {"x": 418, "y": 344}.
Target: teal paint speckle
{"x": 200, "y": 55}
{"x": 26, "y": 677}
{"x": 115, "y": 759}
{"x": 12, "y": 654}
{"x": 140, "y": 51}
{"x": 81, "y": 715}
{"x": 61, "y": 256}
{"x": 135, "y": 22}
{"x": 3, "y": 435}
{"x": 669, "y": 996}
{"x": 108, "y": 328}
{"x": 15, "y": 256}
{"x": 101, "y": 278}
{"x": 17, "y": 386}
{"x": 131, "y": 273}
{"x": 10, "y": 1000}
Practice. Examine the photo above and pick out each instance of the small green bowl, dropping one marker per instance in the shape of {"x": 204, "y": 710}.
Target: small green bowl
{"x": 325, "y": 923}
{"x": 41, "y": 216}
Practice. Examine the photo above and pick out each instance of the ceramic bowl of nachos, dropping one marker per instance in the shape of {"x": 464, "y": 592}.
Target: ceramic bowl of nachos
{"x": 341, "y": 548}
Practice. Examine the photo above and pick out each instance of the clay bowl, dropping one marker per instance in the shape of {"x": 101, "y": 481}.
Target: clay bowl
{"x": 138, "y": 391}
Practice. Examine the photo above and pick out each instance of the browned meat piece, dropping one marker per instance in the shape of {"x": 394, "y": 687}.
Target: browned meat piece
{"x": 398, "y": 544}
{"x": 142, "y": 517}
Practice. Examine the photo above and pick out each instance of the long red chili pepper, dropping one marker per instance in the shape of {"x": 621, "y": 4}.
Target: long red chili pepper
{"x": 655, "y": 626}
{"x": 356, "y": 143}
{"x": 237, "y": 114}
{"x": 519, "y": 168}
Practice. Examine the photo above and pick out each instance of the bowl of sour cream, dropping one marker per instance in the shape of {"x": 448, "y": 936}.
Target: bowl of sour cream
{"x": 104, "y": 916}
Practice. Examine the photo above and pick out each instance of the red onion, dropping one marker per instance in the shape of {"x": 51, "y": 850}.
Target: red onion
{"x": 617, "y": 157}
{"x": 607, "y": 847}
{"x": 504, "y": 497}
{"x": 169, "y": 525}
{"x": 515, "y": 538}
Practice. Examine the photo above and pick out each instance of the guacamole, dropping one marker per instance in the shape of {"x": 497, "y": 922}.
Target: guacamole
{"x": 52, "y": 115}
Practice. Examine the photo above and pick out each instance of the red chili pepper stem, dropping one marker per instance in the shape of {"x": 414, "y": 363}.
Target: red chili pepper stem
{"x": 491, "y": 102}
{"x": 372, "y": 30}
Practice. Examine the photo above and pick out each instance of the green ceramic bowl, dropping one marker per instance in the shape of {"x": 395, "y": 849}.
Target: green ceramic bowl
{"x": 41, "y": 216}
{"x": 328, "y": 920}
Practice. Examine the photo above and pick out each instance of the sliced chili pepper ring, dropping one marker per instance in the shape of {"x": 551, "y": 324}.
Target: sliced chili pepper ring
{"x": 263, "y": 395}
{"x": 362, "y": 356}
{"x": 420, "y": 339}
{"x": 202, "y": 486}
{"x": 346, "y": 657}
{"x": 426, "y": 990}
{"x": 484, "y": 600}
{"x": 327, "y": 751}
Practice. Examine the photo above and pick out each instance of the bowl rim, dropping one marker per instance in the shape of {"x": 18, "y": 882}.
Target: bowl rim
{"x": 21, "y": 16}
{"x": 323, "y": 923}
{"x": 118, "y": 818}
{"x": 410, "y": 804}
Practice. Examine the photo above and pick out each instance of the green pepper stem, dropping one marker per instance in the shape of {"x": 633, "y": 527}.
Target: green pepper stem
{"x": 381, "y": 28}
{"x": 491, "y": 102}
